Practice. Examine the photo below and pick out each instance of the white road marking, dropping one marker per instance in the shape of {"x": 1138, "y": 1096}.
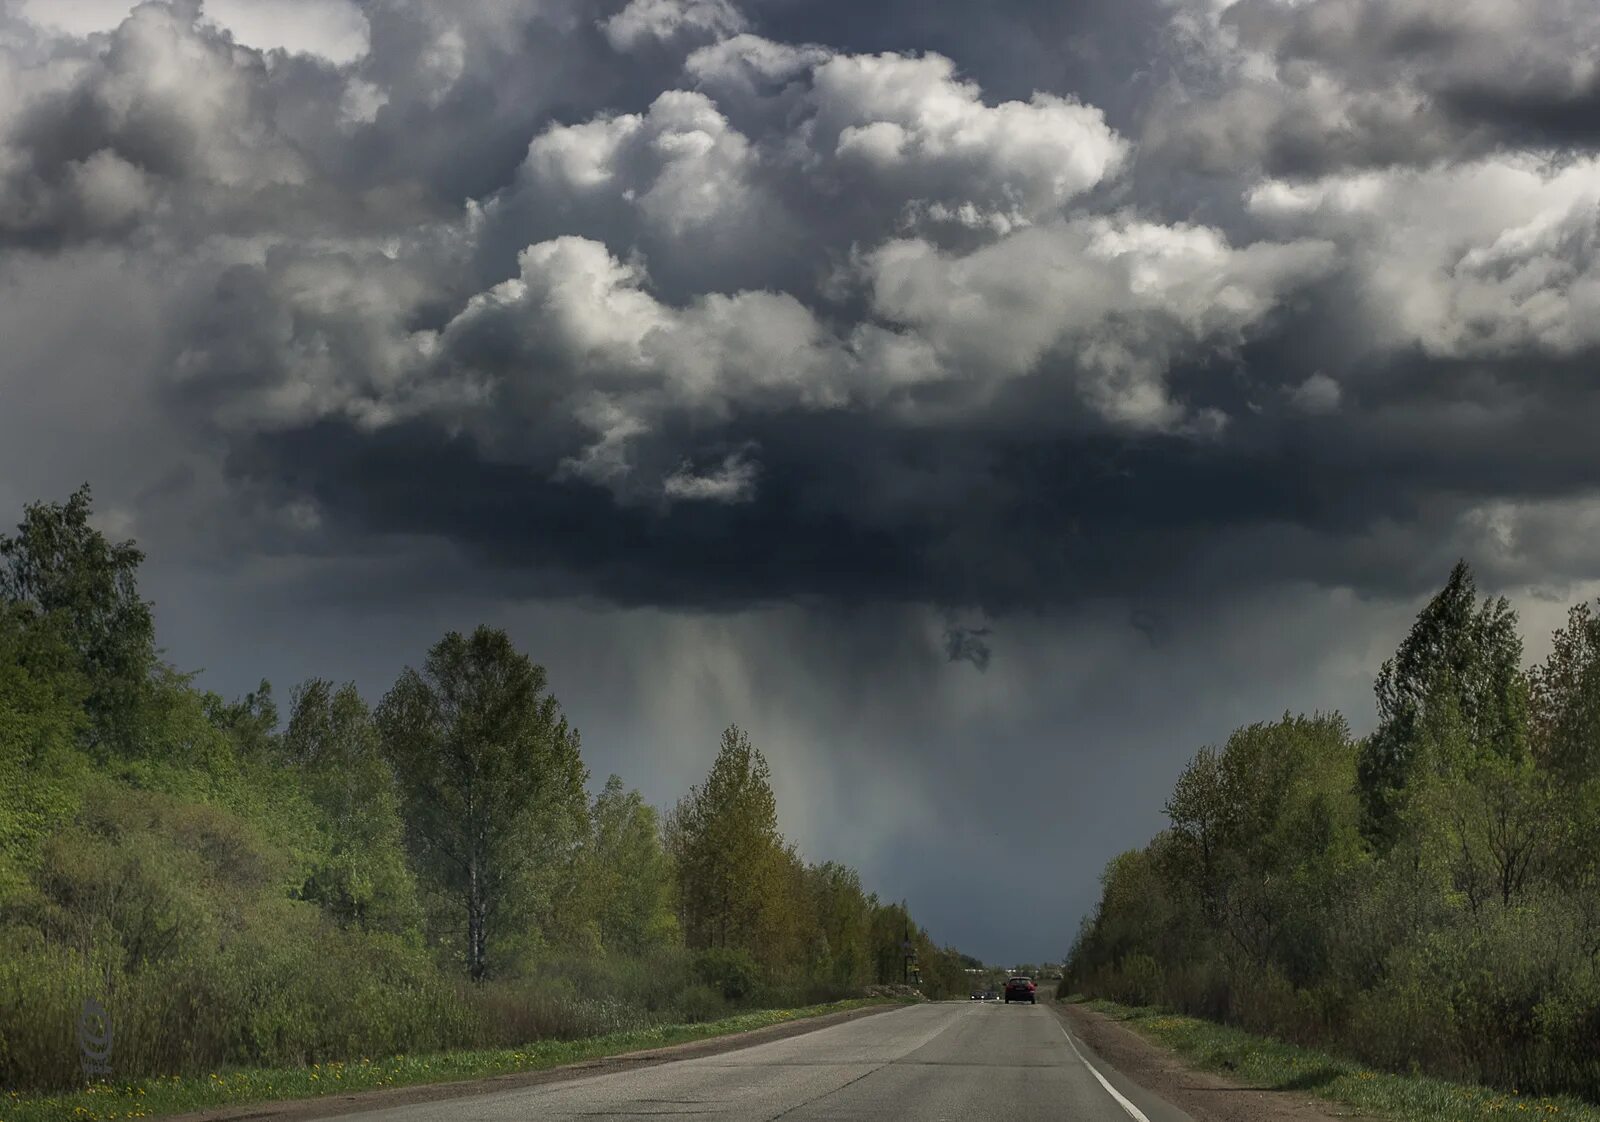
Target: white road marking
{"x": 1133, "y": 1111}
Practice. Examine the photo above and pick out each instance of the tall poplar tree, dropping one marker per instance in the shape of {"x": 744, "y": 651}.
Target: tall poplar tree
{"x": 724, "y": 838}
{"x": 1453, "y": 691}
{"x": 627, "y": 873}
{"x": 362, "y": 879}
{"x": 486, "y": 765}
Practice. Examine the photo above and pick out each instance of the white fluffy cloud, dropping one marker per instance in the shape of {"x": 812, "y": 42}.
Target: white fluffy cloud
{"x": 911, "y": 127}
{"x": 872, "y": 145}
{"x": 1309, "y": 87}
{"x": 748, "y": 65}
{"x": 679, "y": 164}
{"x": 1494, "y": 258}
{"x": 301, "y": 335}
{"x": 1112, "y": 301}
{"x": 662, "y": 21}
{"x": 625, "y": 359}
{"x": 92, "y": 143}
{"x": 332, "y": 29}
{"x": 912, "y": 135}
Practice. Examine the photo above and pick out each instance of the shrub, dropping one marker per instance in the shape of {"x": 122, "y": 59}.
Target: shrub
{"x": 700, "y": 1003}
{"x": 732, "y": 972}
{"x": 1138, "y": 982}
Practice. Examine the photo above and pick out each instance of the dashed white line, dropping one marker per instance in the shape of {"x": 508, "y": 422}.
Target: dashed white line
{"x": 1133, "y": 1111}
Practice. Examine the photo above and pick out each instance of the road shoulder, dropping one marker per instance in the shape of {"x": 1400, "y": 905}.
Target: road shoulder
{"x": 300, "y": 1110}
{"x": 1205, "y": 1097}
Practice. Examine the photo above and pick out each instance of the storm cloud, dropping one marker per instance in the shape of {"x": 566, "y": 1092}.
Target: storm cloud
{"x": 1005, "y": 334}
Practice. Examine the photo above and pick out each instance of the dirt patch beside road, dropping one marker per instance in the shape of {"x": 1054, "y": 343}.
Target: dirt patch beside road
{"x": 1206, "y": 1097}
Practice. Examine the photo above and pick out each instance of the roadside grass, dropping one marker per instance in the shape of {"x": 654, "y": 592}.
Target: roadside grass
{"x": 1263, "y": 1062}
{"x": 152, "y": 1097}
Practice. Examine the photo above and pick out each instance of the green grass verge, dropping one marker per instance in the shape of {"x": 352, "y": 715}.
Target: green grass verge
{"x": 147, "y": 1098}
{"x": 1262, "y": 1062}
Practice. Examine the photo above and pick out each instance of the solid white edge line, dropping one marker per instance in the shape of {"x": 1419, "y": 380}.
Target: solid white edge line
{"x": 1133, "y": 1111}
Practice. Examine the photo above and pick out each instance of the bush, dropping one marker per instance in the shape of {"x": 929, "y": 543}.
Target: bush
{"x": 174, "y": 917}
{"x": 732, "y": 972}
{"x": 516, "y": 1013}
{"x": 700, "y": 1003}
{"x": 1138, "y": 982}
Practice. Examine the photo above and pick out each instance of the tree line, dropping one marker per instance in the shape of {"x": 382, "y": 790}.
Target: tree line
{"x": 241, "y": 886}
{"x": 1427, "y": 896}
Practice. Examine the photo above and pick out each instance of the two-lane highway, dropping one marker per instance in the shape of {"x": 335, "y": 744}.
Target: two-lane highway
{"x": 949, "y": 1060}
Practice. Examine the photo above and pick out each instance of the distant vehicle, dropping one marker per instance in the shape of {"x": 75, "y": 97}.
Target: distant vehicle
{"x": 1021, "y": 988}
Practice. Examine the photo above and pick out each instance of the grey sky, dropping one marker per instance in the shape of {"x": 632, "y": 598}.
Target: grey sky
{"x": 987, "y": 405}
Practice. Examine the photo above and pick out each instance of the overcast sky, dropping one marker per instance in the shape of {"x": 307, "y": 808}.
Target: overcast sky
{"x": 986, "y": 405}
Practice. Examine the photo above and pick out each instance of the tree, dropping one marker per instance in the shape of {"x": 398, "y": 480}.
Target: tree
{"x": 68, "y": 577}
{"x": 725, "y": 842}
{"x": 843, "y": 915}
{"x": 627, "y": 874}
{"x": 486, "y": 763}
{"x": 1565, "y": 699}
{"x": 1198, "y": 809}
{"x": 1565, "y": 734}
{"x": 361, "y": 880}
{"x": 888, "y": 926}
{"x": 251, "y": 722}
{"x": 1453, "y": 690}
{"x": 1496, "y": 828}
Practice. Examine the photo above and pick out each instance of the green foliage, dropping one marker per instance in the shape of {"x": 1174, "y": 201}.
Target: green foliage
{"x": 145, "y": 1097}
{"x": 491, "y": 782}
{"x": 1565, "y": 699}
{"x": 41, "y": 773}
{"x": 251, "y": 722}
{"x": 728, "y": 970}
{"x": 726, "y": 848}
{"x": 67, "y": 577}
{"x": 627, "y": 875}
{"x": 1453, "y": 692}
{"x": 1427, "y": 899}
{"x": 844, "y": 924}
{"x": 361, "y": 879}
{"x": 172, "y": 914}
{"x": 236, "y": 893}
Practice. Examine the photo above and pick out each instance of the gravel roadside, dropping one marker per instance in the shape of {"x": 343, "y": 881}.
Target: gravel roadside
{"x": 1206, "y": 1097}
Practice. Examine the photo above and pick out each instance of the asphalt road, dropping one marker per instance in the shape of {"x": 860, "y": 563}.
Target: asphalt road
{"x": 949, "y": 1060}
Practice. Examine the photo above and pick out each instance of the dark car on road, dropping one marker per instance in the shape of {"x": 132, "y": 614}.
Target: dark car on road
{"x": 1021, "y": 989}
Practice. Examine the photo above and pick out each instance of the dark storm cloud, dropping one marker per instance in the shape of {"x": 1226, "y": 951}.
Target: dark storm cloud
{"x": 1374, "y": 500}
{"x": 1540, "y": 111}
